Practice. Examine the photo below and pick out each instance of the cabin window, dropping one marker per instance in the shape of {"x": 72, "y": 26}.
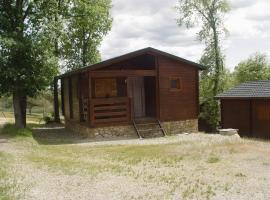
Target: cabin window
{"x": 105, "y": 87}
{"x": 175, "y": 84}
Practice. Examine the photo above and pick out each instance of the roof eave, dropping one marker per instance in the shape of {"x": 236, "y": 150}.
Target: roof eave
{"x": 128, "y": 56}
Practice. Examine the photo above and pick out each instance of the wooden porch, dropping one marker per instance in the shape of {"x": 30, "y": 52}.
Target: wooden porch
{"x": 108, "y": 111}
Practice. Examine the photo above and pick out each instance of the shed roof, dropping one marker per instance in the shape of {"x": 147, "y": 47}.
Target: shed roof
{"x": 254, "y": 89}
{"x": 148, "y": 50}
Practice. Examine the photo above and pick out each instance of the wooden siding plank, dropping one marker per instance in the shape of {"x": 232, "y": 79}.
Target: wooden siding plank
{"x": 110, "y": 108}
{"x": 120, "y": 73}
{"x": 109, "y": 114}
{"x": 111, "y": 120}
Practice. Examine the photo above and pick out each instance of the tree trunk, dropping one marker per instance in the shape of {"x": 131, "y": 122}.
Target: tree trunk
{"x": 30, "y": 110}
{"x": 217, "y": 60}
{"x": 19, "y": 105}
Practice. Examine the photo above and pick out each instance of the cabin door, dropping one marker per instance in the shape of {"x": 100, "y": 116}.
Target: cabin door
{"x": 138, "y": 96}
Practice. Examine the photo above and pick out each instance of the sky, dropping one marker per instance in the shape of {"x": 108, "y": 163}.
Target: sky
{"x": 152, "y": 23}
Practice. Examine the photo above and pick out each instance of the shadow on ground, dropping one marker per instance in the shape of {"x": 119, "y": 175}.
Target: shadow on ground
{"x": 56, "y": 134}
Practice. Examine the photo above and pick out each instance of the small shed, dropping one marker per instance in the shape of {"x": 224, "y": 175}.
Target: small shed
{"x": 123, "y": 94}
{"x": 247, "y": 108}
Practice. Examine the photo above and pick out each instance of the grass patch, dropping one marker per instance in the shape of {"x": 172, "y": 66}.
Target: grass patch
{"x": 240, "y": 175}
{"x": 213, "y": 159}
{"x": 10, "y": 130}
{"x": 72, "y": 166}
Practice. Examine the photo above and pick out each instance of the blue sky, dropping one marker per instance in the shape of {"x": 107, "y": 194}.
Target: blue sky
{"x": 142, "y": 23}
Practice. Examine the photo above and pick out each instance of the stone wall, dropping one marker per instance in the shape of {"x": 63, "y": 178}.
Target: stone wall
{"x": 171, "y": 128}
{"x": 184, "y": 126}
{"x": 101, "y": 132}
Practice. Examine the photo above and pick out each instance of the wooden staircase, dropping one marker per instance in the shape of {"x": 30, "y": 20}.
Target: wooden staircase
{"x": 148, "y": 128}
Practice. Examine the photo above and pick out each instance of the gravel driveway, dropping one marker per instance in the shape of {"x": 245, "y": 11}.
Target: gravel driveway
{"x": 194, "y": 166}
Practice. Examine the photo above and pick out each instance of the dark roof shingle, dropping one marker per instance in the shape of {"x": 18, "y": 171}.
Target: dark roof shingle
{"x": 254, "y": 89}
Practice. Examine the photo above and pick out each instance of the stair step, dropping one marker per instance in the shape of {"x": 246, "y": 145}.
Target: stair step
{"x": 144, "y": 124}
{"x": 145, "y": 130}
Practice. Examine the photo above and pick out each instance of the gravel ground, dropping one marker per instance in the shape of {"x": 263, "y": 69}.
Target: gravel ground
{"x": 193, "y": 166}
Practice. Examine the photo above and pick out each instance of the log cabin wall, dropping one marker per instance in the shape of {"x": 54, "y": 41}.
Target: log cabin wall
{"x": 182, "y": 103}
{"x": 66, "y": 97}
{"x": 75, "y": 99}
{"x": 84, "y": 92}
{"x": 71, "y": 98}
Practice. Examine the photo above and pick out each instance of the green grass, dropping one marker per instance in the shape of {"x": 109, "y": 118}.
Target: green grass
{"x": 10, "y": 130}
{"x": 213, "y": 159}
{"x": 240, "y": 175}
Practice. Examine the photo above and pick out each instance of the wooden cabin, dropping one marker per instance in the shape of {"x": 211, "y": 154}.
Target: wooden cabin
{"x": 247, "y": 108}
{"x": 123, "y": 95}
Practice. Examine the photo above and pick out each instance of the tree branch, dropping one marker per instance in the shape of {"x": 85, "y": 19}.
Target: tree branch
{"x": 27, "y": 11}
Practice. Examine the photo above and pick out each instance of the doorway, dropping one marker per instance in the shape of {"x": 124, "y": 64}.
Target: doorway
{"x": 143, "y": 93}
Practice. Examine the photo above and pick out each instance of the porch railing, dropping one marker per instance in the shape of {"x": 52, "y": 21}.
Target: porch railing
{"x": 110, "y": 110}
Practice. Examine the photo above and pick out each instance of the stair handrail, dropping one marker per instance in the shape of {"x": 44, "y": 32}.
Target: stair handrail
{"x": 136, "y": 129}
{"x": 162, "y": 129}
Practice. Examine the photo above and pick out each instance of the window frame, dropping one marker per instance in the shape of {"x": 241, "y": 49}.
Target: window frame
{"x": 175, "y": 78}
{"x": 95, "y": 87}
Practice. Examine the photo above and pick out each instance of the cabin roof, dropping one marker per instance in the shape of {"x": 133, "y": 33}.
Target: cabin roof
{"x": 254, "y": 89}
{"x": 148, "y": 50}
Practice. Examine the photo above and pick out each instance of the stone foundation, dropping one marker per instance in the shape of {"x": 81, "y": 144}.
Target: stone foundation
{"x": 184, "y": 126}
{"x": 101, "y": 132}
{"x": 171, "y": 128}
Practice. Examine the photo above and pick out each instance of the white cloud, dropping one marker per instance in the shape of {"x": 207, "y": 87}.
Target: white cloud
{"x": 139, "y": 24}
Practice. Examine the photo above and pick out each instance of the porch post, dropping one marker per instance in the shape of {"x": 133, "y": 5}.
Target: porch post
{"x": 56, "y": 103}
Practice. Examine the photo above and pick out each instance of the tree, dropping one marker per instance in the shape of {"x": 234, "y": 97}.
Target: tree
{"x": 87, "y": 23}
{"x": 35, "y": 37}
{"x": 209, "y": 15}
{"x": 27, "y": 62}
{"x": 256, "y": 67}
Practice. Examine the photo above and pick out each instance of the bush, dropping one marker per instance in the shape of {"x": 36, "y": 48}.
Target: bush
{"x": 49, "y": 118}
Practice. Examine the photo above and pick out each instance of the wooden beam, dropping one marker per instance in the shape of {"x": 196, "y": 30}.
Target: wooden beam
{"x": 122, "y": 73}
{"x": 56, "y": 103}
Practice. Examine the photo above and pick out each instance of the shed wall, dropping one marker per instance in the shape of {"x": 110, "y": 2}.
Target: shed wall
{"x": 236, "y": 114}
{"x": 261, "y": 118}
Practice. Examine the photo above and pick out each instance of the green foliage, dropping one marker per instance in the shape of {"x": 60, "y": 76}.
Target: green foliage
{"x": 204, "y": 12}
{"x": 36, "y": 35}
{"x": 256, "y": 67}
{"x": 48, "y": 118}
{"x": 87, "y": 23}
{"x": 25, "y": 66}
{"x": 209, "y": 14}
